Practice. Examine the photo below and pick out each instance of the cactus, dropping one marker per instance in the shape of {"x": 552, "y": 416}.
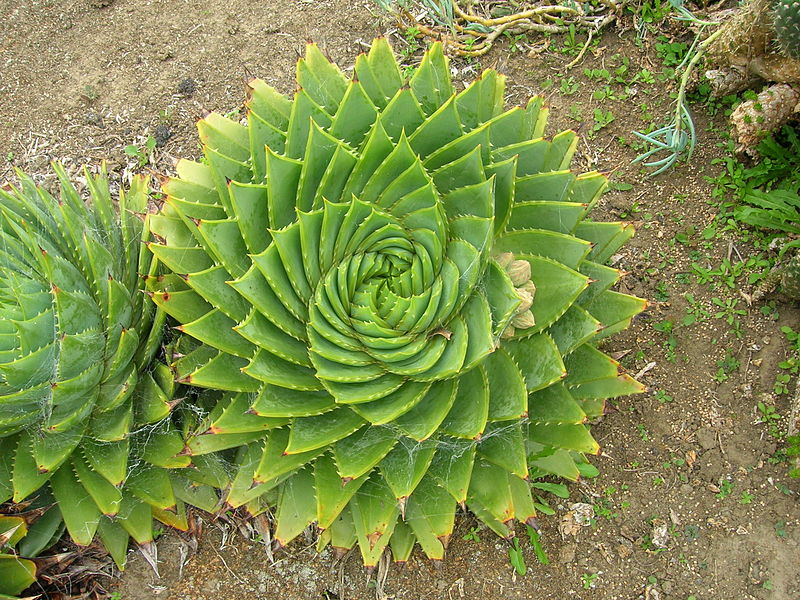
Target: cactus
{"x": 786, "y": 18}
{"x": 790, "y": 277}
{"x": 399, "y": 289}
{"x": 82, "y": 409}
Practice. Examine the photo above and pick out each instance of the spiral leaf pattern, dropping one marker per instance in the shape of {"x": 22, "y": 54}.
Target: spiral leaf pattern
{"x": 77, "y": 338}
{"x": 397, "y": 285}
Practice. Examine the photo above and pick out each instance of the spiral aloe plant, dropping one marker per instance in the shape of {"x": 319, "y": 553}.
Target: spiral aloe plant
{"x": 399, "y": 288}
{"x": 81, "y": 407}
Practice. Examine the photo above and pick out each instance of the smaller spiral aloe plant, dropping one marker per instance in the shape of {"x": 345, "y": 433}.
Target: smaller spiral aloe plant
{"x": 399, "y": 289}
{"x": 83, "y": 408}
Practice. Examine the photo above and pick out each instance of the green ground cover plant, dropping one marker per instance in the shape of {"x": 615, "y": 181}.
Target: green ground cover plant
{"x": 388, "y": 298}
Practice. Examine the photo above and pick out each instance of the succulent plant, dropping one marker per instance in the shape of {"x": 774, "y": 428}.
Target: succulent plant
{"x": 790, "y": 277}
{"x": 26, "y": 530}
{"x": 398, "y": 287}
{"x": 16, "y": 573}
{"x": 82, "y": 409}
{"x": 786, "y": 17}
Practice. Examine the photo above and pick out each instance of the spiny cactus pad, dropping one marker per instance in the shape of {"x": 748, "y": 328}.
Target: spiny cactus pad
{"x": 398, "y": 286}
{"x": 82, "y": 411}
{"x": 790, "y": 278}
{"x": 786, "y": 16}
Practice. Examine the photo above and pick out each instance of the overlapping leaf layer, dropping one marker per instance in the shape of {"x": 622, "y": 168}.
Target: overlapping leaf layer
{"x": 82, "y": 411}
{"x": 399, "y": 288}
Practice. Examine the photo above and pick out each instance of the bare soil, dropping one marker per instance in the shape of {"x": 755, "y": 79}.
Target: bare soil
{"x": 689, "y": 502}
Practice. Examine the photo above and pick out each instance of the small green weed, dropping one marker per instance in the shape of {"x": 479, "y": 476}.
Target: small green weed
{"x": 652, "y": 11}
{"x": 770, "y": 417}
{"x": 602, "y": 119}
{"x": 538, "y": 551}
{"x": 569, "y": 86}
{"x": 695, "y": 313}
{"x": 90, "y": 93}
{"x": 663, "y": 397}
{"x": 725, "y": 489}
{"x": 780, "y": 529}
{"x": 141, "y": 153}
{"x": 589, "y": 580}
{"x": 726, "y": 365}
{"x": 668, "y": 327}
{"x": 472, "y": 535}
{"x": 572, "y": 45}
{"x": 672, "y": 53}
{"x": 516, "y": 558}
{"x": 729, "y": 312}
{"x": 516, "y": 42}
{"x": 597, "y": 74}
{"x": 605, "y": 509}
{"x": 645, "y": 76}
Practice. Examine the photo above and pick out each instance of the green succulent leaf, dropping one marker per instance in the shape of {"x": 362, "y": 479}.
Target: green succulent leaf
{"x": 16, "y": 574}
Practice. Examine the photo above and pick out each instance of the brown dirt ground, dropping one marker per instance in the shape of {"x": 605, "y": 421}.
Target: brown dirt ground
{"x": 80, "y": 81}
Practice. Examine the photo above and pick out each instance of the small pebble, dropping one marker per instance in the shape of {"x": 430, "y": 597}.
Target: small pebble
{"x": 187, "y": 87}
{"x": 92, "y": 118}
{"x": 161, "y": 134}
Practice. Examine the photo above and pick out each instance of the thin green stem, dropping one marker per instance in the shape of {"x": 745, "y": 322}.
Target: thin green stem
{"x": 687, "y": 71}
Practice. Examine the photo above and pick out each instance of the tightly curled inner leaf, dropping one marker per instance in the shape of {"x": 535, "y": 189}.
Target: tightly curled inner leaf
{"x": 399, "y": 286}
{"x": 81, "y": 407}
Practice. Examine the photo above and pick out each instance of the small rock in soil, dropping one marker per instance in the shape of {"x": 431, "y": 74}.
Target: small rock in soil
{"x": 659, "y": 535}
{"x": 706, "y": 438}
{"x": 187, "y": 87}
{"x": 713, "y": 466}
{"x": 92, "y": 118}
{"x": 566, "y": 554}
{"x": 161, "y": 134}
{"x": 619, "y": 202}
